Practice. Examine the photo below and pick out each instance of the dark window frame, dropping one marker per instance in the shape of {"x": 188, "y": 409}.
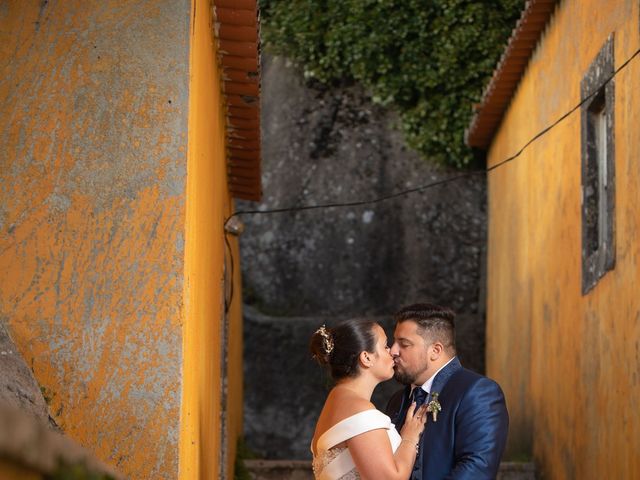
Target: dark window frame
{"x": 598, "y": 213}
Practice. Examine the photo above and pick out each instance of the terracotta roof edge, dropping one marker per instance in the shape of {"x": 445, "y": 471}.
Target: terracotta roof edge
{"x": 499, "y": 91}
{"x": 237, "y": 34}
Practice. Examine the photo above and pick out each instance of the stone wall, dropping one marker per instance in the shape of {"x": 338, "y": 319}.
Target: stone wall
{"x": 334, "y": 145}
{"x": 301, "y": 269}
{"x": 18, "y": 387}
{"x": 31, "y": 450}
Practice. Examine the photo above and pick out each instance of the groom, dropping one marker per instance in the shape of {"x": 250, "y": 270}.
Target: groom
{"x": 468, "y": 436}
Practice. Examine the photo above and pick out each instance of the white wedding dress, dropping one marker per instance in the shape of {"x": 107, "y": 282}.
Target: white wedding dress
{"x": 335, "y": 463}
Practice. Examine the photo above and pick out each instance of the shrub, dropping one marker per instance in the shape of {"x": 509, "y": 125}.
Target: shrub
{"x": 427, "y": 59}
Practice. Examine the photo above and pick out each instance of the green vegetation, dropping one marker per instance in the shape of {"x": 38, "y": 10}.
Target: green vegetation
{"x": 243, "y": 452}
{"x": 519, "y": 457}
{"x": 427, "y": 59}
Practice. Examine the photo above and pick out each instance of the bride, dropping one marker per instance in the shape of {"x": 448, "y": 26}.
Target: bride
{"x": 352, "y": 439}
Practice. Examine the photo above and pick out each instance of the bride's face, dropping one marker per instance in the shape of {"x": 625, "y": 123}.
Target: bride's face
{"x": 384, "y": 361}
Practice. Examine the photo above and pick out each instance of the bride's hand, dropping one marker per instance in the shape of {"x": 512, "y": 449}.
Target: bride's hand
{"x": 414, "y": 423}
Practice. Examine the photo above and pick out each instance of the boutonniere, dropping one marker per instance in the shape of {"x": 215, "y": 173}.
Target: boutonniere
{"x": 434, "y": 406}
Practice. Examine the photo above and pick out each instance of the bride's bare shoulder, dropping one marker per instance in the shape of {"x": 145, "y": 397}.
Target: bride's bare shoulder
{"x": 344, "y": 404}
{"x": 339, "y": 406}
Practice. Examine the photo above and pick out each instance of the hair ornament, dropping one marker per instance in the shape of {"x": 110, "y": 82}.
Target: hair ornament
{"x": 327, "y": 339}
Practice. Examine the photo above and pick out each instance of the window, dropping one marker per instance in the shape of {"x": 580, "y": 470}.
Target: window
{"x": 598, "y": 164}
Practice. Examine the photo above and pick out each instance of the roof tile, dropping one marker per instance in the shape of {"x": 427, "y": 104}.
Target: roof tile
{"x": 508, "y": 72}
{"x": 238, "y": 35}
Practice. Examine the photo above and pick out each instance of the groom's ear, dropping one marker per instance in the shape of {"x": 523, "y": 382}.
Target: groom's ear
{"x": 436, "y": 350}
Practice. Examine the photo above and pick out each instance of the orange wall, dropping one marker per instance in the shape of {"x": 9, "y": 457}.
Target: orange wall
{"x": 569, "y": 364}
{"x": 111, "y": 228}
{"x": 208, "y": 204}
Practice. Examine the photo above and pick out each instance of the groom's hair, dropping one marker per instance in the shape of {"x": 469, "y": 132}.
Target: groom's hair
{"x": 435, "y": 323}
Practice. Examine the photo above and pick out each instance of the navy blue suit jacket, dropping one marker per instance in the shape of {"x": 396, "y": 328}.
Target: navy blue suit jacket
{"x": 469, "y": 437}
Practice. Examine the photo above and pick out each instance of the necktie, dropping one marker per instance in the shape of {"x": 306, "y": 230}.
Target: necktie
{"x": 419, "y": 396}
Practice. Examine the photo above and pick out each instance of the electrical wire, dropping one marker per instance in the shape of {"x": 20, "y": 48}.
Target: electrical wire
{"x": 560, "y": 119}
{"x": 360, "y": 202}
{"x": 420, "y": 188}
{"x": 445, "y": 181}
{"x": 230, "y": 278}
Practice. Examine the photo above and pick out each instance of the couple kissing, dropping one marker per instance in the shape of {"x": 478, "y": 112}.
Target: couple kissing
{"x": 446, "y": 423}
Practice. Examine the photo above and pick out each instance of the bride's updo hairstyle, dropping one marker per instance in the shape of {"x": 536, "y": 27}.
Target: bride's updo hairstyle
{"x": 339, "y": 347}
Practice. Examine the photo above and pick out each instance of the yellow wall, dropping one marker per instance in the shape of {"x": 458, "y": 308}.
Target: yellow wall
{"x": 94, "y": 98}
{"x": 235, "y": 367}
{"x": 200, "y": 439}
{"x": 111, "y": 227}
{"x": 569, "y": 364}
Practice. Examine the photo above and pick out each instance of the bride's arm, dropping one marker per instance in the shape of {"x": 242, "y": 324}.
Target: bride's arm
{"x": 372, "y": 454}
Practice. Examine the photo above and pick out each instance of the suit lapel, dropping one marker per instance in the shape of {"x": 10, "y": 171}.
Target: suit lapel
{"x": 438, "y": 384}
{"x": 444, "y": 375}
{"x": 404, "y": 405}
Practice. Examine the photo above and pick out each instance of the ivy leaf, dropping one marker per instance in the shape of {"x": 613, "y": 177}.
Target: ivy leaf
{"x": 429, "y": 60}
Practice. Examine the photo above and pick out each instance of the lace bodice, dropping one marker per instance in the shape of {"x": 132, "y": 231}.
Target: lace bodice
{"x": 326, "y": 457}
{"x": 335, "y": 463}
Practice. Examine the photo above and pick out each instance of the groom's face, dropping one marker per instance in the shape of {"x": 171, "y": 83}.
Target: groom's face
{"x": 410, "y": 354}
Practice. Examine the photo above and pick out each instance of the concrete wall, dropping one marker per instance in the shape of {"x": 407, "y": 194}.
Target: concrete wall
{"x": 111, "y": 214}
{"x": 569, "y": 364}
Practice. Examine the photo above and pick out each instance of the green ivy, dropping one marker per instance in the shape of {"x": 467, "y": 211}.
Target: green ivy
{"x": 427, "y": 59}
{"x": 243, "y": 452}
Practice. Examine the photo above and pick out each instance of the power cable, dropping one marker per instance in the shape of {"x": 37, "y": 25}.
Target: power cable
{"x": 459, "y": 176}
{"x": 420, "y": 188}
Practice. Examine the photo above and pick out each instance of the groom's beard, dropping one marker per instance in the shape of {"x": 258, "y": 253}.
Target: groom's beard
{"x": 405, "y": 377}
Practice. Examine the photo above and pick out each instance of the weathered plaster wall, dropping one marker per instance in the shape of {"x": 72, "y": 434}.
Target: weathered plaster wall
{"x": 93, "y": 128}
{"x": 569, "y": 364}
